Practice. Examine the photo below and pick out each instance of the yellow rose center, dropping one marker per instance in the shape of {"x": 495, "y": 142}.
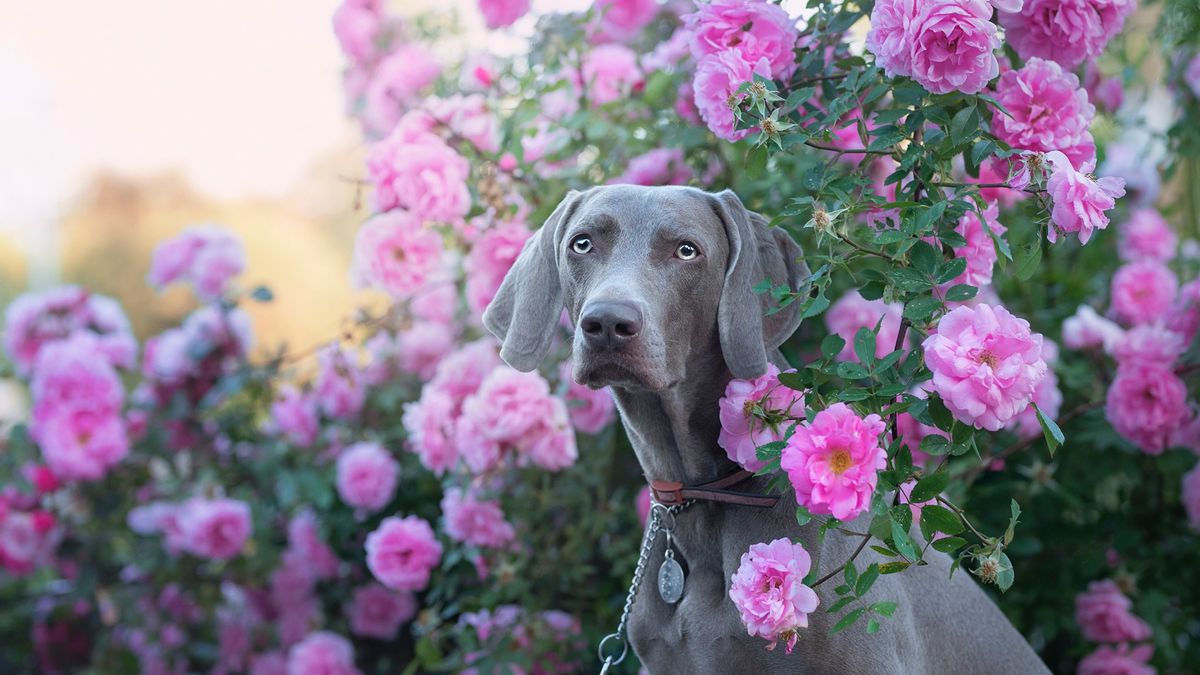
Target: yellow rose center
{"x": 839, "y": 461}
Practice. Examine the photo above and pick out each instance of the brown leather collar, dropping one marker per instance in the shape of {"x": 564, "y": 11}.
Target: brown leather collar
{"x": 669, "y": 492}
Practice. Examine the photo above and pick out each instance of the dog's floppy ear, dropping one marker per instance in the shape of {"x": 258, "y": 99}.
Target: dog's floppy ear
{"x": 530, "y": 300}
{"x": 756, "y": 252}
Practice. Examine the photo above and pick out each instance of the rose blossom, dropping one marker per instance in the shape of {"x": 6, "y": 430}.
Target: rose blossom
{"x": 474, "y": 521}
{"x": 1103, "y": 614}
{"x": 834, "y": 461}
{"x": 718, "y": 77}
{"x": 396, "y": 83}
{"x": 305, "y": 545}
{"x": 1148, "y": 343}
{"x": 1066, "y": 31}
{"x": 206, "y": 256}
{"x": 396, "y": 253}
{"x": 742, "y": 431}
{"x": 339, "y": 387}
{"x": 420, "y": 173}
{"x": 888, "y": 37}
{"x": 1048, "y": 111}
{"x": 501, "y": 13}
{"x": 953, "y": 43}
{"x": 322, "y": 653}
{"x": 430, "y": 425}
{"x": 552, "y": 444}
{"x": 1085, "y": 329}
{"x": 980, "y": 249}
{"x": 1143, "y": 291}
{"x": 622, "y": 20}
{"x": 356, "y": 25}
{"x": 660, "y": 166}
{"x": 986, "y": 364}
{"x": 1146, "y": 235}
{"x": 1191, "y": 496}
{"x": 423, "y": 345}
{"x": 590, "y": 409}
{"x": 1147, "y": 404}
{"x": 609, "y": 73}
{"x": 402, "y": 552}
{"x": 294, "y": 415}
{"x": 378, "y": 612}
{"x": 1080, "y": 203}
{"x": 216, "y": 528}
{"x": 466, "y": 116}
{"x": 366, "y": 476}
{"x": 754, "y": 29}
{"x": 1118, "y": 660}
{"x": 1184, "y": 317}
{"x": 852, "y": 312}
{"x": 491, "y": 256}
{"x": 768, "y": 590}
{"x": 37, "y": 319}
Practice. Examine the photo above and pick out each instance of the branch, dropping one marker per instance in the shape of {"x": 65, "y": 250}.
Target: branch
{"x": 861, "y": 546}
{"x": 846, "y": 151}
{"x": 973, "y": 472}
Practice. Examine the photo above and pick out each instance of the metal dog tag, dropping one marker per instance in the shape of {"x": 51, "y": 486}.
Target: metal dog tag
{"x": 670, "y": 580}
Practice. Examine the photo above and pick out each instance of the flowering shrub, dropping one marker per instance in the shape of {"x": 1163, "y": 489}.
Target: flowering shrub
{"x": 398, "y": 498}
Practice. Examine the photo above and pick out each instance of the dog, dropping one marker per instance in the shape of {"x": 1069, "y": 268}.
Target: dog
{"x": 658, "y": 283}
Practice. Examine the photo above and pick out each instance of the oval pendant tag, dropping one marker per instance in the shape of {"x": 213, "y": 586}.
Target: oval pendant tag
{"x": 670, "y": 581}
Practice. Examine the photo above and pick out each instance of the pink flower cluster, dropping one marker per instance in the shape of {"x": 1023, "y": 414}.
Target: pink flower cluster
{"x": 833, "y": 462}
{"x": 378, "y": 612}
{"x": 1103, "y": 614}
{"x": 206, "y": 256}
{"x": 339, "y": 388}
{"x": 294, "y": 415}
{"x": 322, "y": 653}
{"x": 501, "y": 13}
{"x": 514, "y": 412}
{"x": 474, "y": 521}
{"x": 1147, "y": 403}
{"x": 1146, "y": 235}
{"x": 1118, "y": 660}
{"x": 609, "y": 73}
{"x": 852, "y": 312}
{"x": 1067, "y": 31}
{"x": 1143, "y": 291}
{"x": 1048, "y": 110}
{"x": 660, "y": 166}
{"x": 768, "y": 590}
{"x": 414, "y": 169}
{"x": 37, "y": 319}
{"x": 191, "y": 358}
{"x": 402, "y": 552}
{"x": 622, "y": 20}
{"x": 986, "y": 364}
{"x": 27, "y": 536}
{"x": 491, "y": 256}
{"x": 395, "y": 84}
{"x": 209, "y": 528}
{"x": 396, "y": 253}
{"x": 742, "y": 411}
{"x": 366, "y": 476}
{"x": 945, "y": 45}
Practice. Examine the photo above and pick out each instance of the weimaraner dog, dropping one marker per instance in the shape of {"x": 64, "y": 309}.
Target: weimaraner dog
{"x": 658, "y": 283}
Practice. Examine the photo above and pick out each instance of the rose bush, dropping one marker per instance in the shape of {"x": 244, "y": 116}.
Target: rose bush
{"x": 399, "y": 499}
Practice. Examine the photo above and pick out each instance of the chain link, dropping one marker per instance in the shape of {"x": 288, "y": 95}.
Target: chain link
{"x": 639, "y": 571}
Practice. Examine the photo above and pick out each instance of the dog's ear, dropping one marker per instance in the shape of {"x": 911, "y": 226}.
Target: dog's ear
{"x": 530, "y": 299}
{"x": 756, "y": 253}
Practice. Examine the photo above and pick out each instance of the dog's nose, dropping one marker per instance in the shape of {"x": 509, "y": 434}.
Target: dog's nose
{"x": 610, "y": 323}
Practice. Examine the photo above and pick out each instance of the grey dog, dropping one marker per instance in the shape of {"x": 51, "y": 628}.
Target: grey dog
{"x": 658, "y": 283}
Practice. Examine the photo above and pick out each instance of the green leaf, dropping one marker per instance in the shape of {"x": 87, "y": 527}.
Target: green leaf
{"x": 802, "y": 516}
{"x": 1013, "y": 518}
{"x": 935, "y": 444}
{"x": 756, "y": 161}
{"x": 1027, "y": 257}
{"x": 850, "y": 573}
{"x": 891, "y": 237}
{"x": 841, "y": 603}
{"x": 924, "y": 257}
{"x": 903, "y": 542}
{"x": 872, "y": 626}
{"x": 866, "y": 580}
{"x": 851, "y": 371}
{"x": 950, "y": 270}
{"x": 769, "y": 451}
{"x": 262, "y": 294}
{"x": 793, "y": 381}
{"x": 884, "y": 608}
{"x": 908, "y": 279}
{"x": 930, "y": 486}
{"x": 1005, "y": 576}
{"x": 864, "y": 346}
{"x": 815, "y": 306}
{"x": 961, "y": 293}
{"x": 832, "y": 345}
{"x": 1050, "y": 429}
{"x": 853, "y": 394}
{"x": 940, "y": 519}
{"x": 961, "y": 125}
{"x": 894, "y": 567}
{"x": 949, "y": 544}
{"x": 798, "y": 97}
{"x": 919, "y": 309}
{"x": 848, "y": 620}
{"x": 942, "y": 417}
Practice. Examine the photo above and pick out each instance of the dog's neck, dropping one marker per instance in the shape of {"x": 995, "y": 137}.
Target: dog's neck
{"x": 674, "y": 431}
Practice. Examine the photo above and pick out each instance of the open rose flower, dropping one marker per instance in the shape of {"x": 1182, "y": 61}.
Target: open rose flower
{"x": 37, "y": 319}
{"x": 1147, "y": 404}
{"x": 322, "y": 653}
{"x": 888, "y": 38}
{"x": 395, "y": 84}
{"x": 769, "y": 592}
{"x": 402, "y": 552}
{"x": 718, "y": 77}
{"x": 366, "y": 476}
{"x": 1143, "y": 291}
{"x": 609, "y": 73}
{"x": 953, "y": 45}
{"x": 475, "y": 521}
{"x": 1066, "y": 31}
{"x": 206, "y": 256}
{"x": 418, "y": 172}
{"x": 1048, "y": 110}
{"x": 1103, "y": 614}
{"x": 1121, "y": 659}
{"x": 378, "y": 612}
{"x": 1080, "y": 203}
{"x": 834, "y": 461}
{"x": 986, "y": 364}
{"x": 1146, "y": 235}
{"x": 216, "y": 528}
{"x": 755, "y": 29}
{"x": 741, "y": 430}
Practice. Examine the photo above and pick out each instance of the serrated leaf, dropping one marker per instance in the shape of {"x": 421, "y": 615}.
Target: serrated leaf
{"x": 930, "y": 486}
{"x": 961, "y": 293}
{"x": 793, "y": 381}
{"x": 940, "y": 519}
{"x": 935, "y": 445}
{"x": 1050, "y": 430}
{"x": 950, "y": 270}
{"x": 769, "y": 451}
{"x": 903, "y": 542}
{"x": 919, "y": 309}
{"x": 832, "y": 345}
{"x": 851, "y": 371}
{"x": 949, "y": 544}
{"x": 848, "y": 620}
{"x": 866, "y": 580}
{"x": 864, "y": 346}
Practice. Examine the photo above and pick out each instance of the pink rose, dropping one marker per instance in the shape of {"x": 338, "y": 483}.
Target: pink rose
{"x": 622, "y": 20}
{"x": 1049, "y": 111}
{"x": 27, "y": 539}
{"x": 1088, "y": 330}
{"x": 37, "y": 319}
{"x": 1147, "y": 404}
{"x": 1146, "y": 235}
{"x": 436, "y": 304}
{"x": 430, "y": 425}
{"x": 422, "y": 174}
{"x": 768, "y": 590}
{"x": 339, "y": 387}
{"x": 1080, "y": 203}
{"x": 591, "y": 410}
{"x": 306, "y": 545}
{"x": 1049, "y": 398}
{"x": 1148, "y": 343}
{"x": 980, "y": 250}
{"x": 460, "y": 374}
{"x": 216, "y": 528}
{"x": 552, "y": 443}
{"x": 754, "y": 29}
{"x": 1066, "y": 31}
{"x": 491, "y": 256}
{"x": 509, "y": 404}
{"x": 402, "y": 552}
{"x": 366, "y": 476}
{"x": 207, "y": 257}
{"x": 322, "y": 653}
{"x": 1184, "y": 317}
{"x": 357, "y": 25}
{"x": 422, "y": 346}
{"x": 396, "y": 253}
{"x": 1118, "y": 660}
{"x": 294, "y": 415}
{"x": 474, "y": 521}
{"x": 1191, "y": 496}
{"x": 396, "y": 83}
{"x": 378, "y": 612}
{"x": 888, "y": 38}
{"x": 661, "y": 166}
{"x": 718, "y": 77}
{"x": 986, "y": 364}
{"x": 953, "y": 43}
{"x": 1143, "y": 291}
{"x": 834, "y": 461}
{"x": 852, "y": 312}
{"x": 609, "y": 73}
{"x": 468, "y": 117}
{"x": 501, "y": 13}
{"x": 742, "y": 431}
{"x": 1103, "y": 614}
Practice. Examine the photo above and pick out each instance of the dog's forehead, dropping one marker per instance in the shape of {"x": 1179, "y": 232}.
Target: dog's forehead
{"x": 643, "y": 207}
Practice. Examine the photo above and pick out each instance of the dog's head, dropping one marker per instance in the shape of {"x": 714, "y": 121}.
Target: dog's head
{"x": 650, "y": 277}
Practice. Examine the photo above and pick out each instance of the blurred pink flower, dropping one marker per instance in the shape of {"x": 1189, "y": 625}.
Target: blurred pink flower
{"x": 1049, "y": 398}
{"x": 591, "y": 410}
{"x": 422, "y": 174}
{"x": 397, "y": 254}
{"x": 501, "y": 13}
{"x": 1147, "y": 404}
{"x": 1080, "y": 203}
{"x": 768, "y": 590}
{"x": 888, "y": 38}
{"x": 307, "y": 547}
{"x": 366, "y": 476}
{"x": 609, "y": 73}
{"x": 1121, "y": 659}
{"x": 491, "y": 256}
{"x": 1066, "y": 31}
{"x": 1146, "y": 235}
{"x": 423, "y": 345}
{"x": 1148, "y": 343}
{"x": 294, "y": 415}
{"x": 322, "y": 653}
{"x": 37, "y": 319}
{"x": 396, "y": 83}
{"x": 742, "y": 431}
{"x": 552, "y": 444}
{"x": 642, "y": 503}
{"x": 206, "y": 256}
{"x": 339, "y": 388}
{"x": 1086, "y": 329}
{"x": 1191, "y": 75}
{"x": 852, "y": 312}
{"x": 509, "y": 404}
{"x": 660, "y": 166}
{"x": 756, "y": 30}
{"x": 622, "y": 20}
{"x": 833, "y": 461}
{"x": 1184, "y": 317}
{"x": 402, "y": 552}
{"x": 953, "y": 45}
{"x": 357, "y": 26}
{"x": 216, "y": 528}
{"x": 476, "y": 522}
{"x": 1103, "y": 614}
{"x": 466, "y": 116}
{"x": 430, "y": 425}
{"x": 378, "y": 612}
{"x": 718, "y": 77}
{"x": 1143, "y": 291}
{"x": 27, "y": 539}
{"x": 986, "y": 364}
{"x": 1048, "y": 111}
{"x": 980, "y": 250}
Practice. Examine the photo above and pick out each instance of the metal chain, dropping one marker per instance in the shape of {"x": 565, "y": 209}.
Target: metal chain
{"x": 639, "y": 571}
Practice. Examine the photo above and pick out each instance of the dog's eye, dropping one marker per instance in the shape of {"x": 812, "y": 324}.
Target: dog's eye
{"x": 687, "y": 251}
{"x": 581, "y": 244}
